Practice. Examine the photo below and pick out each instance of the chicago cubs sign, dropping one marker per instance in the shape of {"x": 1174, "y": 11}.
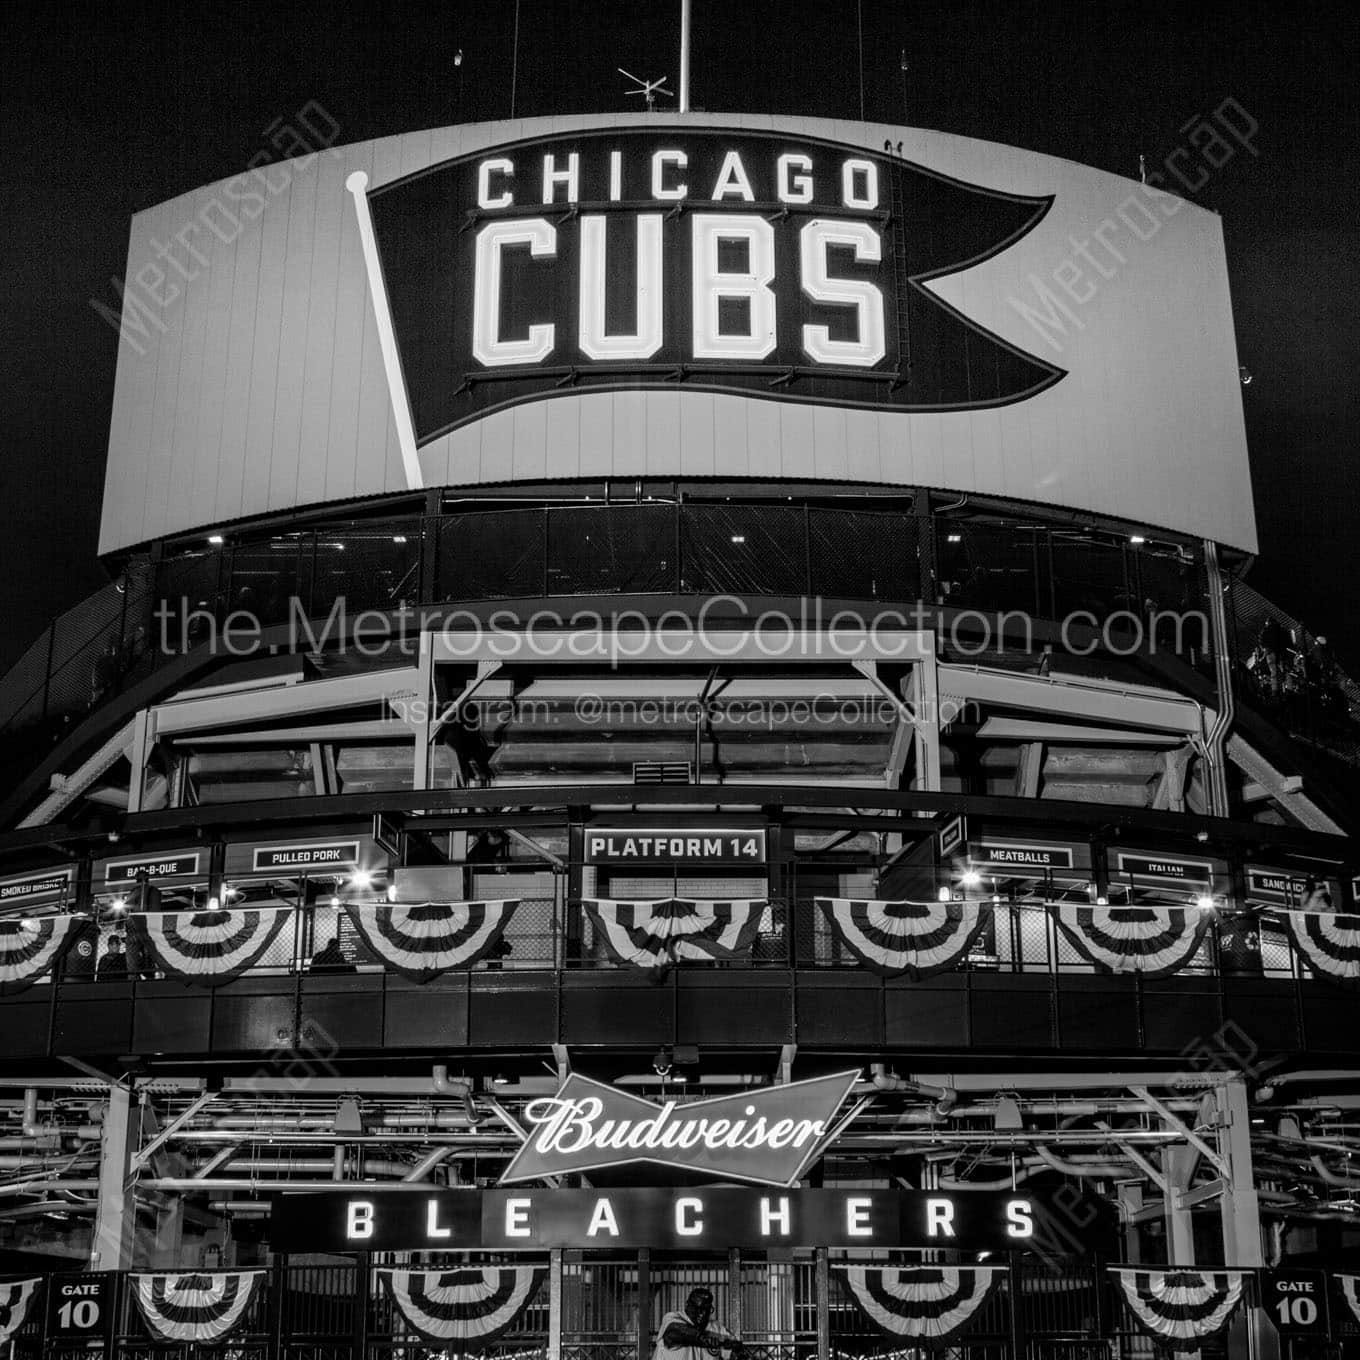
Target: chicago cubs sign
{"x": 769, "y": 265}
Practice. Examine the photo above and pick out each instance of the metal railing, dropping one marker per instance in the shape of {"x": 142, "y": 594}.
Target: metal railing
{"x": 556, "y": 934}
{"x": 611, "y": 1307}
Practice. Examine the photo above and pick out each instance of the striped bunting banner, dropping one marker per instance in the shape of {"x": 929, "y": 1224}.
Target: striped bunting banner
{"x": 31, "y": 945}
{"x": 915, "y": 938}
{"x": 1328, "y": 944}
{"x": 929, "y": 1304}
{"x": 464, "y": 1305}
{"x": 422, "y": 941}
{"x": 16, "y": 1298}
{"x": 655, "y": 935}
{"x": 1181, "y": 1308}
{"x": 203, "y": 946}
{"x": 200, "y": 1307}
{"x": 1154, "y": 941}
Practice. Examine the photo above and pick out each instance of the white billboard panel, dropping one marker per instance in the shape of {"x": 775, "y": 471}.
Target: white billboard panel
{"x": 665, "y": 296}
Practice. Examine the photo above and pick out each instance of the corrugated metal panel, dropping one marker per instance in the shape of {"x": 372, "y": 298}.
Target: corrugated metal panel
{"x": 261, "y": 385}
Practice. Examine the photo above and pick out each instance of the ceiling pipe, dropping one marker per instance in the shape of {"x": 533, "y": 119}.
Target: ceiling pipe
{"x": 459, "y": 1087}
{"x": 1268, "y": 1088}
{"x": 40, "y": 1185}
{"x": 945, "y": 1097}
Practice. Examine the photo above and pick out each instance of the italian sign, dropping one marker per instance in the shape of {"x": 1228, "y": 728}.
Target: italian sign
{"x": 1169, "y": 870}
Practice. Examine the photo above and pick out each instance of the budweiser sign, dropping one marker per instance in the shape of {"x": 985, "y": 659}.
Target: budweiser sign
{"x": 767, "y": 1136}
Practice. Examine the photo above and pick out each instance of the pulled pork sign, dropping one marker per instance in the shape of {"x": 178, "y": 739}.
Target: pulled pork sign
{"x": 765, "y": 1136}
{"x": 772, "y": 266}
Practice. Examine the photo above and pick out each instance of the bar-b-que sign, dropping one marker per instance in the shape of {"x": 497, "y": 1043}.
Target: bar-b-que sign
{"x": 704, "y": 258}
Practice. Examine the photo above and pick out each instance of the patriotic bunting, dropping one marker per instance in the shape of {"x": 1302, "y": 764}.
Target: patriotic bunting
{"x": 655, "y": 935}
{"x": 1330, "y": 945}
{"x": 929, "y": 1304}
{"x": 420, "y": 942}
{"x": 1180, "y": 1308}
{"x": 31, "y": 945}
{"x": 915, "y": 938}
{"x": 199, "y": 1307}
{"x": 203, "y": 946}
{"x": 464, "y": 1305}
{"x": 16, "y": 1297}
{"x": 1347, "y": 1284}
{"x": 1154, "y": 941}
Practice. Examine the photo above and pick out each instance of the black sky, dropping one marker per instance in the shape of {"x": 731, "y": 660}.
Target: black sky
{"x": 107, "y": 110}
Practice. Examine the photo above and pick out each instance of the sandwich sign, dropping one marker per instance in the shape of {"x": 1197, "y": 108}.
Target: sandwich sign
{"x": 765, "y": 1136}
{"x": 774, "y": 266}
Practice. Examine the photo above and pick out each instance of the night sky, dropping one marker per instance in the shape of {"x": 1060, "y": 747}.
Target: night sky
{"x": 106, "y": 111}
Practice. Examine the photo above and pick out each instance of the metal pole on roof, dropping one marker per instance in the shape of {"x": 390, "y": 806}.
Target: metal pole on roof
{"x": 684, "y": 55}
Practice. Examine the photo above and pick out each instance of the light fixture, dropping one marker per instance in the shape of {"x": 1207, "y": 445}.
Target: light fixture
{"x": 662, "y": 1063}
{"x": 398, "y": 538}
{"x": 738, "y": 538}
{"x": 1137, "y": 538}
{"x": 1204, "y": 902}
{"x": 391, "y": 892}
{"x": 216, "y": 540}
{"x": 943, "y": 895}
{"x": 458, "y": 57}
{"x": 970, "y": 878}
{"x": 118, "y": 904}
{"x": 954, "y": 538}
{"x": 500, "y": 1079}
{"x": 335, "y": 901}
{"x": 1244, "y": 374}
{"x": 361, "y": 879}
{"x": 1102, "y": 900}
{"x": 213, "y": 904}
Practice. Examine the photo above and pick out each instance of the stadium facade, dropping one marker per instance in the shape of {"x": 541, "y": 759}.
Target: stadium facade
{"x": 678, "y": 705}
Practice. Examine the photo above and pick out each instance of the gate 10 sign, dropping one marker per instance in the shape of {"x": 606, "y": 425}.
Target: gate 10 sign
{"x": 79, "y": 1307}
{"x": 1296, "y": 1301}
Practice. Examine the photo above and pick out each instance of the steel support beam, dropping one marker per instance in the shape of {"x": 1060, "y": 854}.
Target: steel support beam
{"x": 116, "y": 1215}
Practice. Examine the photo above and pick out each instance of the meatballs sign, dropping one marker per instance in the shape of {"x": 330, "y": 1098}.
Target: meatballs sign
{"x": 724, "y": 261}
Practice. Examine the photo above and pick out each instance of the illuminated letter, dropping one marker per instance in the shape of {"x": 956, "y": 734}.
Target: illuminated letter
{"x": 646, "y": 339}
{"x": 501, "y": 167}
{"x": 687, "y": 1220}
{"x": 517, "y": 1217}
{"x": 768, "y": 1217}
{"x": 939, "y": 1218}
{"x": 360, "y": 1221}
{"x": 849, "y": 197}
{"x": 659, "y": 161}
{"x": 795, "y": 189}
{"x": 857, "y": 1216}
{"x": 432, "y": 1228}
{"x": 571, "y": 177}
{"x": 615, "y": 176}
{"x": 863, "y": 296}
{"x": 602, "y": 1220}
{"x": 1019, "y": 1218}
{"x": 541, "y": 238}
{"x": 750, "y": 286}
{"x": 732, "y": 180}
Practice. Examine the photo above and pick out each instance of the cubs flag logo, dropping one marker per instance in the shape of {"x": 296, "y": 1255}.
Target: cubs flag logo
{"x": 700, "y": 259}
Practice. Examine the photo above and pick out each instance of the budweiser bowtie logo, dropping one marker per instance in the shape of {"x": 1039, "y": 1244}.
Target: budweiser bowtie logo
{"x": 766, "y": 1136}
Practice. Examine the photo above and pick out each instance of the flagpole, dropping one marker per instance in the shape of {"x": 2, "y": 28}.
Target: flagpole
{"x": 684, "y": 56}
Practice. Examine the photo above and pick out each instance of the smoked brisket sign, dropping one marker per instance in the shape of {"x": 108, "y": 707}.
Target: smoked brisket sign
{"x": 768, "y": 265}
{"x": 766, "y": 1136}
